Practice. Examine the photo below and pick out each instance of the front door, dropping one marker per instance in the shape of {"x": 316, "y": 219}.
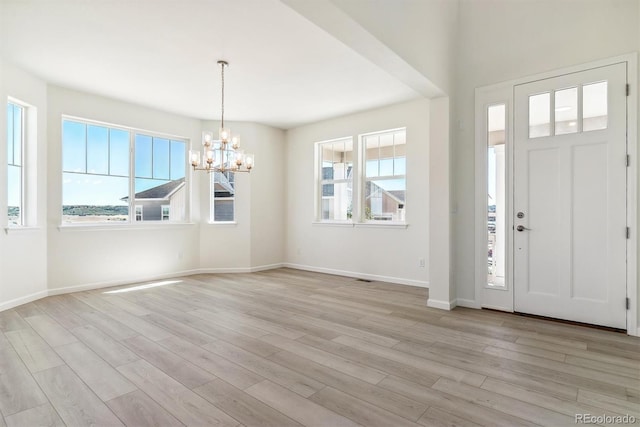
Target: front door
{"x": 570, "y": 197}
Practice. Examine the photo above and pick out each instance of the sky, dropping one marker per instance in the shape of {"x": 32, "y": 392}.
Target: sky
{"x": 96, "y": 163}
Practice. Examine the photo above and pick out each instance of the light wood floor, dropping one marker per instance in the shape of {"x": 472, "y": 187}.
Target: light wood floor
{"x": 289, "y": 348}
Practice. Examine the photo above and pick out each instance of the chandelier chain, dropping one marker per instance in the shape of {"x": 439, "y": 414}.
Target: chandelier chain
{"x": 222, "y": 120}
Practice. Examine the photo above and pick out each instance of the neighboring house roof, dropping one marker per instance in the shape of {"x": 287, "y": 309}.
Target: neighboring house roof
{"x": 398, "y": 195}
{"x": 161, "y": 192}
{"x": 222, "y": 184}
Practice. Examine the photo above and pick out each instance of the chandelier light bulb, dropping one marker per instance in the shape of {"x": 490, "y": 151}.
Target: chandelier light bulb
{"x": 235, "y": 142}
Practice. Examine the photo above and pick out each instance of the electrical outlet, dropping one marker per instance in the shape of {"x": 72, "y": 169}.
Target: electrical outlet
{"x": 421, "y": 262}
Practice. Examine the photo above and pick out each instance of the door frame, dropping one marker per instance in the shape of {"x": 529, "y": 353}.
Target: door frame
{"x": 503, "y": 298}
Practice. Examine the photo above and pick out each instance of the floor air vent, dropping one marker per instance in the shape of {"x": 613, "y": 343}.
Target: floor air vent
{"x": 363, "y": 280}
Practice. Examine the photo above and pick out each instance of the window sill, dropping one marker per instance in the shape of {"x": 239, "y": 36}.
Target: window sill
{"x": 382, "y": 225}
{"x": 20, "y": 230}
{"x": 333, "y": 223}
{"x": 222, "y": 223}
{"x": 110, "y": 227}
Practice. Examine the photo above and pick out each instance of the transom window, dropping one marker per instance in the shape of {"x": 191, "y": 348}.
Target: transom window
{"x": 575, "y": 109}
{"x": 104, "y": 165}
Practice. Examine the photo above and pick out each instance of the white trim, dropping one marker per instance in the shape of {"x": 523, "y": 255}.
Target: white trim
{"x": 632, "y": 195}
{"x": 139, "y": 225}
{"x": 334, "y": 223}
{"x": 381, "y": 224}
{"x": 357, "y": 275}
{"x": 22, "y": 229}
{"x": 442, "y": 305}
{"x": 22, "y": 300}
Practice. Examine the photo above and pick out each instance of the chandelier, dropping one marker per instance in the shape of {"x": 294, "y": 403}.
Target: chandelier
{"x": 222, "y": 154}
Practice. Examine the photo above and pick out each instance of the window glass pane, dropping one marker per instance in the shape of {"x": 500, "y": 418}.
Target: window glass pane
{"x": 160, "y": 158}
{"x": 400, "y": 166}
{"x": 10, "y": 133}
{"x": 385, "y": 199}
{"x": 540, "y": 115}
{"x": 594, "y": 106}
{"x": 119, "y": 152}
{"x": 371, "y": 155}
{"x": 94, "y": 198}
{"x": 336, "y": 201}
{"x": 496, "y": 187}
{"x": 566, "y": 111}
{"x": 386, "y": 167}
{"x": 17, "y": 135}
{"x": 14, "y": 175}
{"x": 223, "y": 210}
{"x": 144, "y": 154}
{"x": 74, "y": 146}
{"x": 97, "y": 150}
{"x": 178, "y": 159}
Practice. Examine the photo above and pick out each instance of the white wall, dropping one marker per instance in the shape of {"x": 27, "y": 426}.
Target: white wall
{"x": 501, "y": 40}
{"x": 80, "y": 257}
{"x": 422, "y": 32}
{"x": 23, "y": 253}
{"x": 257, "y": 238}
{"x": 386, "y": 253}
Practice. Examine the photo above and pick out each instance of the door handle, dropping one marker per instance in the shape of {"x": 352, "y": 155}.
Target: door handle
{"x": 522, "y": 228}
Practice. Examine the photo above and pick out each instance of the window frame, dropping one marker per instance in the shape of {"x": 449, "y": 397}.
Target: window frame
{"x": 162, "y": 215}
{"x": 132, "y": 202}
{"x": 364, "y": 180}
{"x": 321, "y": 182}
{"x": 22, "y": 218}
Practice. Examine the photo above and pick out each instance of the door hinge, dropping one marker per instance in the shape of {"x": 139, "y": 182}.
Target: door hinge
{"x": 628, "y": 160}
{"x": 628, "y": 303}
{"x": 628, "y": 232}
{"x": 628, "y": 89}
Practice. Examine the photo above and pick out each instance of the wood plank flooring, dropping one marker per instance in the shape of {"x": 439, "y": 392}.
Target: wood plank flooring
{"x": 291, "y": 348}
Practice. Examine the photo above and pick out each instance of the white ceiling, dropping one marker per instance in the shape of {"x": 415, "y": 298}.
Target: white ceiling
{"x": 284, "y": 70}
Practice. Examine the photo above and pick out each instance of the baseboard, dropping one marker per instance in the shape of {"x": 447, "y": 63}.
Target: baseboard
{"x": 109, "y": 284}
{"x": 357, "y": 275}
{"x": 442, "y": 305}
{"x": 239, "y": 269}
{"x": 23, "y": 300}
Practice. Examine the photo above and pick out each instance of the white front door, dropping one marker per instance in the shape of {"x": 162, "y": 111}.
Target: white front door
{"x": 570, "y": 197}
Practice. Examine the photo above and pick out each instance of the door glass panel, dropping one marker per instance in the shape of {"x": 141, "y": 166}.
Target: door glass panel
{"x": 496, "y": 209}
{"x": 566, "y": 109}
{"x": 594, "y": 106}
{"x": 540, "y": 115}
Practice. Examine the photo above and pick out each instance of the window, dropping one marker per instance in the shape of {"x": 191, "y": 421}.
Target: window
{"x": 222, "y": 196}
{"x": 165, "y": 212}
{"x": 103, "y": 165}
{"x": 15, "y": 172}
{"x": 335, "y": 180}
{"x": 496, "y": 126}
{"x": 385, "y": 165}
{"x": 568, "y": 118}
